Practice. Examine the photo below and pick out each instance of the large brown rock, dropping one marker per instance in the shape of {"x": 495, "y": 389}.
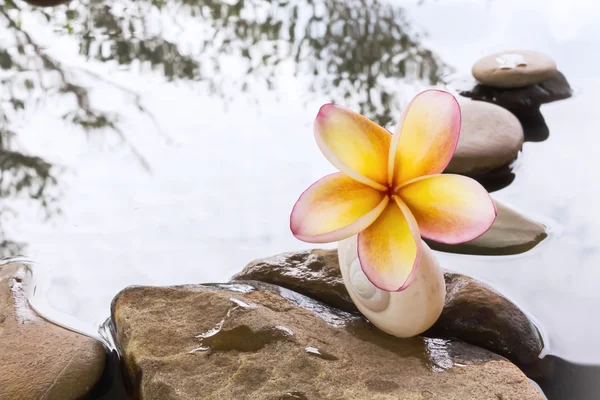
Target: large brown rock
{"x": 473, "y": 312}
{"x": 251, "y": 340}
{"x": 38, "y": 359}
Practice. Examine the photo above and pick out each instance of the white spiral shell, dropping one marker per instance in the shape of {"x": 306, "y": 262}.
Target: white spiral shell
{"x": 403, "y": 314}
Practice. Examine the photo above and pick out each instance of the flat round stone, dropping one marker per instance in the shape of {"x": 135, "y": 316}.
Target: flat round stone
{"x": 514, "y": 68}
{"x": 490, "y": 138}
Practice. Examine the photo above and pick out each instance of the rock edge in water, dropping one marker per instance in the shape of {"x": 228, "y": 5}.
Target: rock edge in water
{"x": 38, "y": 358}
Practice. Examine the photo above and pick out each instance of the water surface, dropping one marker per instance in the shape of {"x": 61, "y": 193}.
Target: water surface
{"x": 222, "y": 168}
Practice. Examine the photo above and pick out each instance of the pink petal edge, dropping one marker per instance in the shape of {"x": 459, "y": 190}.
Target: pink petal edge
{"x": 333, "y": 235}
{"x": 398, "y": 129}
{"x": 334, "y": 159}
{"x": 416, "y": 263}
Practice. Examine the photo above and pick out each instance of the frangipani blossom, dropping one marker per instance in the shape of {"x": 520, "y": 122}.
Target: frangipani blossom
{"x": 391, "y": 190}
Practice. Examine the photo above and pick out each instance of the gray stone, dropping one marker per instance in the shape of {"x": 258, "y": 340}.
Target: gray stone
{"x": 511, "y": 233}
{"x": 251, "y": 340}
{"x": 490, "y": 138}
{"x": 514, "y": 68}
{"x": 40, "y": 360}
{"x": 500, "y": 327}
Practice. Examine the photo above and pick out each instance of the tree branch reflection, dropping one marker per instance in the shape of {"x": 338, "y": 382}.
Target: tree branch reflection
{"x": 354, "y": 51}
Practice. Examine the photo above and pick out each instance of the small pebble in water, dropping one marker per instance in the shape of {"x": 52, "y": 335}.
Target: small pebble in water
{"x": 320, "y": 353}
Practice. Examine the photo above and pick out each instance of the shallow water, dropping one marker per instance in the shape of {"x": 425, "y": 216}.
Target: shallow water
{"x": 225, "y": 170}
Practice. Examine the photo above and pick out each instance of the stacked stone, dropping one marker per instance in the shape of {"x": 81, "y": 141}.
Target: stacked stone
{"x": 518, "y": 79}
{"x": 505, "y": 109}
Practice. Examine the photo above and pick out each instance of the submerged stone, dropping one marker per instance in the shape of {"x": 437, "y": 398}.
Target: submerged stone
{"x": 157, "y": 328}
{"x": 38, "y": 359}
{"x": 473, "y": 312}
{"x": 511, "y": 233}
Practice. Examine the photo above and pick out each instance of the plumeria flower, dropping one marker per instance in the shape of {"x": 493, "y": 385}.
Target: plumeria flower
{"x": 390, "y": 190}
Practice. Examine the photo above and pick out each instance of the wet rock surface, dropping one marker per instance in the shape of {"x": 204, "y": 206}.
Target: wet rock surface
{"x": 40, "y": 360}
{"x": 271, "y": 269}
{"x": 268, "y": 342}
{"x": 479, "y": 315}
{"x": 514, "y": 68}
{"x": 511, "y": 233}
{"x": 491, "y": 137}
{"x": 314, "y": 273}
{"x": 473, "y": 312}
{"x": 551, "y": 89}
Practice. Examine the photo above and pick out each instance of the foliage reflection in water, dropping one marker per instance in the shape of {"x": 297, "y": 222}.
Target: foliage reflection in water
{"x": 355, "y": 51}
{"x": 354, "y": 47}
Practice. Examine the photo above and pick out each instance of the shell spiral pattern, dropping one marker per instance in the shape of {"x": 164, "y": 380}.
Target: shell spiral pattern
{"x": 403, "y": 314}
